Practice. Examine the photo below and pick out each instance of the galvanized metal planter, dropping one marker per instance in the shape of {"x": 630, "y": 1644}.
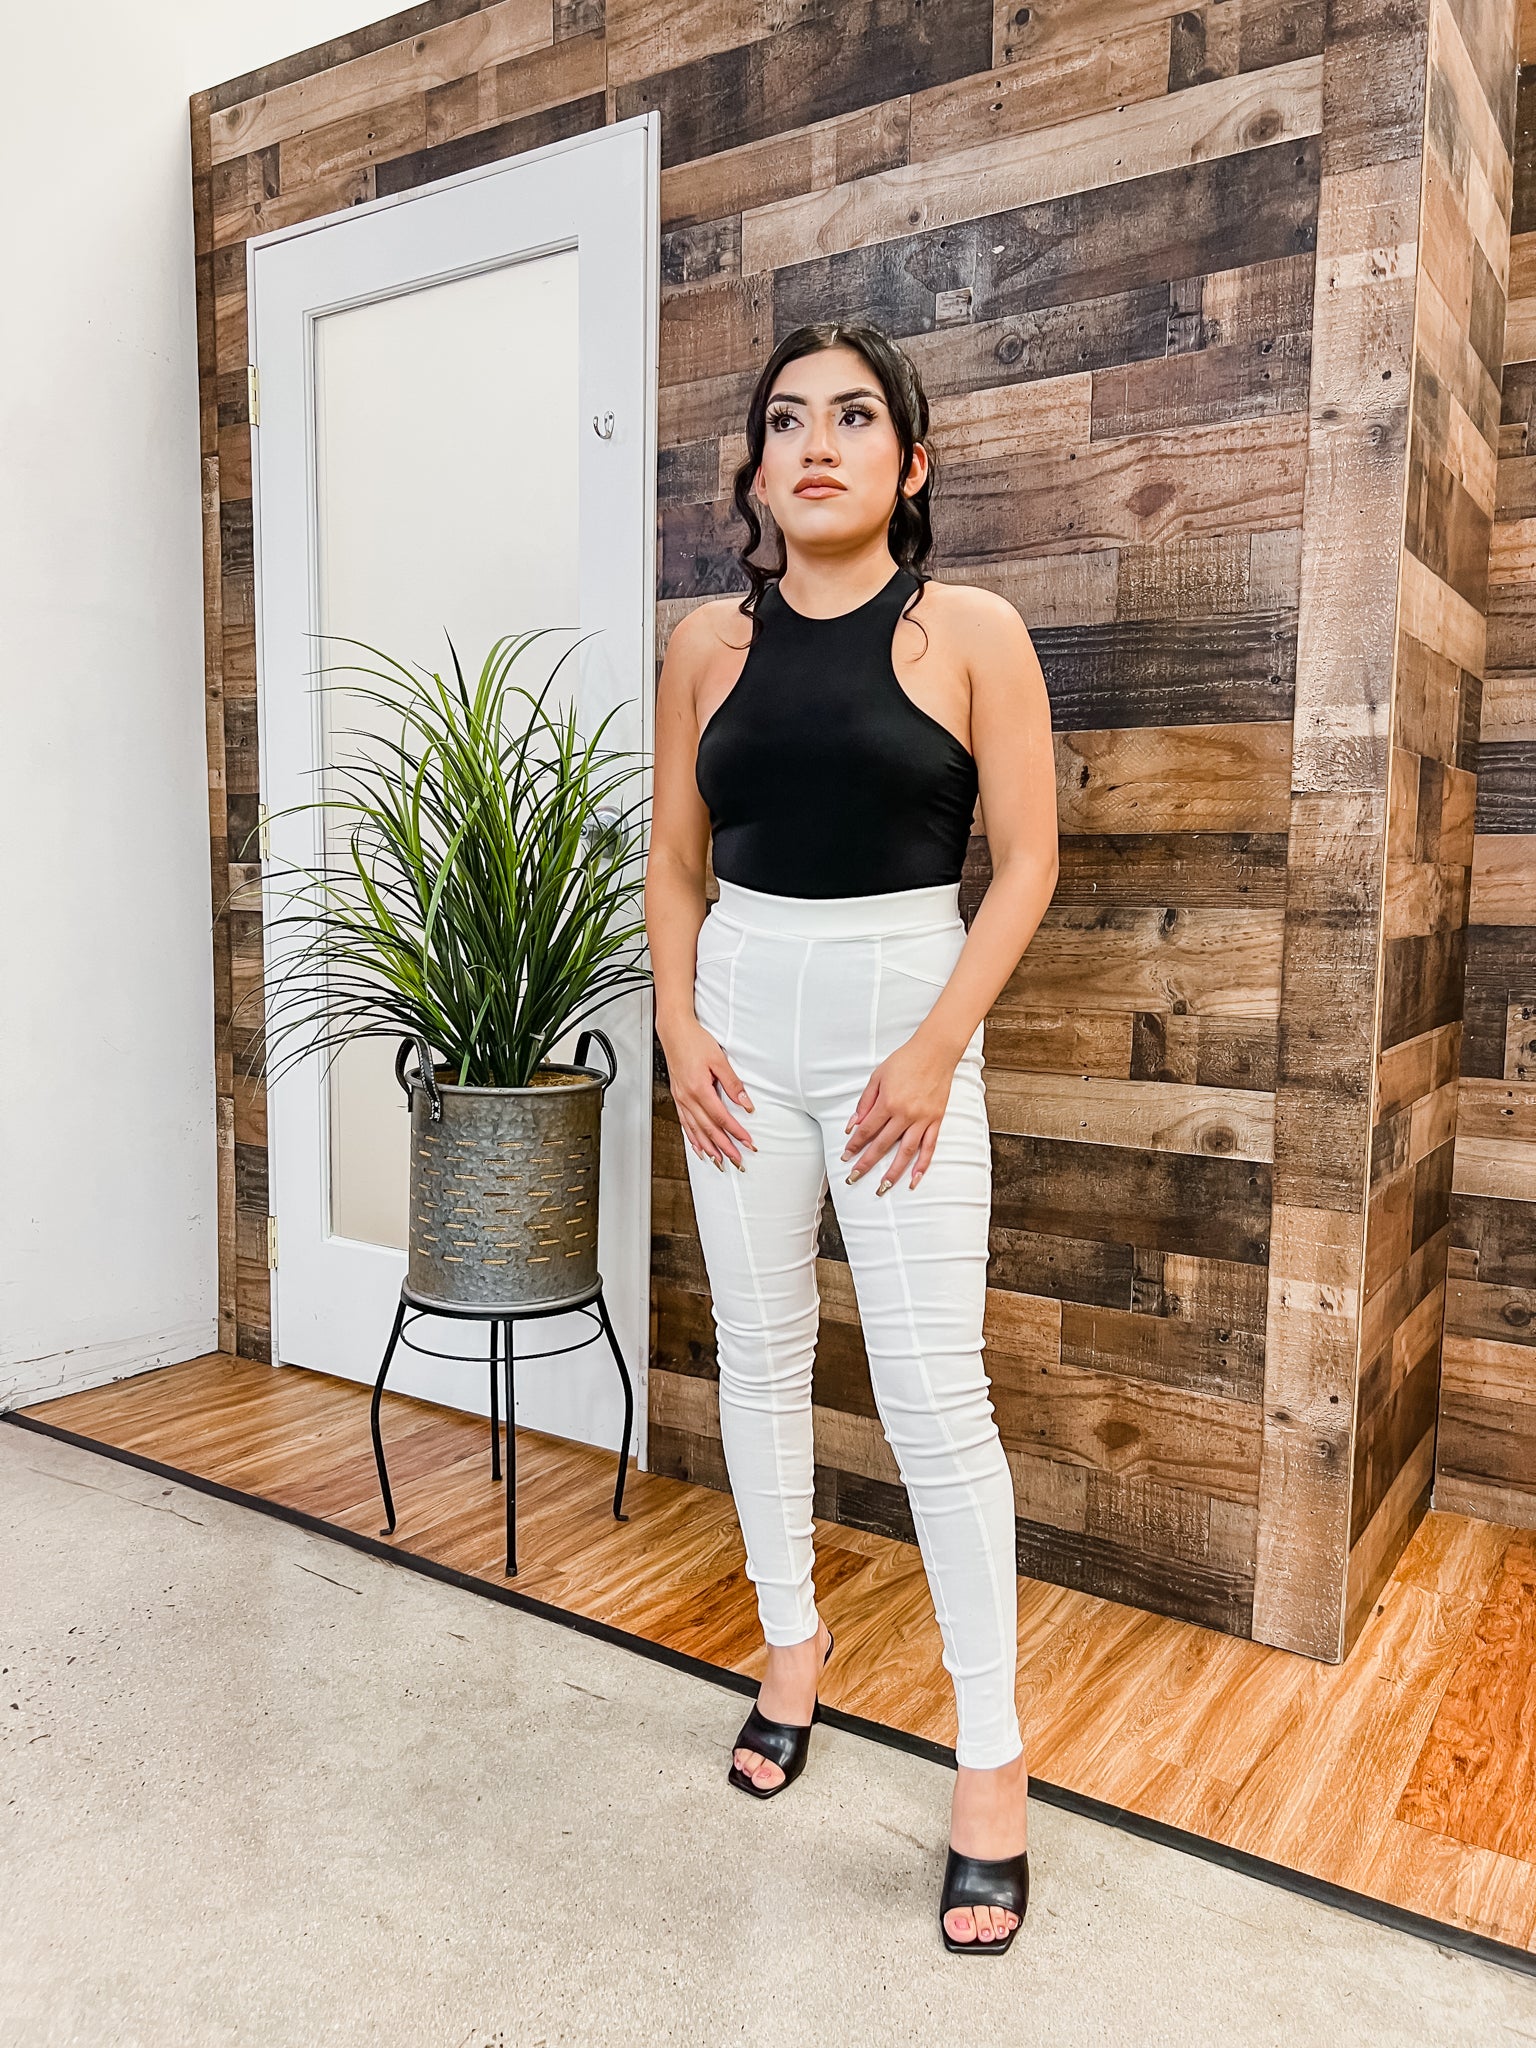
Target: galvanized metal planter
{"x": 504, "y": 1185}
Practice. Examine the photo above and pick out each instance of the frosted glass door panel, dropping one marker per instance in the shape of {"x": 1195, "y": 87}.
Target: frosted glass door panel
{"x": 446, "y": 465}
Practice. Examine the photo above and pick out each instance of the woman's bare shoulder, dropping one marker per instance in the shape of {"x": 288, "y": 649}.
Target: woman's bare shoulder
{"x": 969, "y": 605}
{"x": 718, "y": 623}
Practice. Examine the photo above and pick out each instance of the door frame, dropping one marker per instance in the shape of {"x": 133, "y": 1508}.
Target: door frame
{"x": 632, "y": 1316}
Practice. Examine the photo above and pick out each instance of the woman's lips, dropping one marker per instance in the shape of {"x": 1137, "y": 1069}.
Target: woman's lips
{"x": 818, "y": 487}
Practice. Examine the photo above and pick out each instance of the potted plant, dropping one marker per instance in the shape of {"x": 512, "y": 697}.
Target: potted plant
{"x": 478, "y": 899}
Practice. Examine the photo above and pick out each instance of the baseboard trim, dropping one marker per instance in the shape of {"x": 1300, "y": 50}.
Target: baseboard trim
{"x": 98, "y": 1365}
{"x": 1444, "y": 1934}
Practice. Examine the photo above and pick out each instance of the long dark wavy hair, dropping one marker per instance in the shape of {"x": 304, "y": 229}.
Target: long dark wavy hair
{"x": 911, "y": 528}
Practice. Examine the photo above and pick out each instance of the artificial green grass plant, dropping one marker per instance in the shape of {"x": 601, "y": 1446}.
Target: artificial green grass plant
{"x": 487, "y": 901}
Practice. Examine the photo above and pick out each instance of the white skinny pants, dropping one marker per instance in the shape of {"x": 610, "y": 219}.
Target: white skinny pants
{"x": 807, "y": 995}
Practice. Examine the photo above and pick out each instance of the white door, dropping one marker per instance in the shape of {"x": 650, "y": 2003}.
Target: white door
{"x": 456, "y": 393}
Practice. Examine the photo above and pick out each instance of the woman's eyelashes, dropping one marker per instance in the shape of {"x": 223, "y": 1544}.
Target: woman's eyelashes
{"x": 777, "y": 420}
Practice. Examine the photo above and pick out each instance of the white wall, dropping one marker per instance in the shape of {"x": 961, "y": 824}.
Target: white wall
{"x": 108, "y": 1254}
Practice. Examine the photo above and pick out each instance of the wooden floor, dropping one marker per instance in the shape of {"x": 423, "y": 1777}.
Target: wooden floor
{"x": 1408, "y": 1773}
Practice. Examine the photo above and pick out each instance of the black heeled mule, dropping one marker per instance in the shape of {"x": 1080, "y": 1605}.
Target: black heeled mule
{"x": 784, "y": 1743}
{"x": 981, "y": 1881}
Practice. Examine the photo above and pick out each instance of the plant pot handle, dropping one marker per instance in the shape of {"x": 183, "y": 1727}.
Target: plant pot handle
{"x": 606, "y": 1043}
{"x": 423, "y": 1074}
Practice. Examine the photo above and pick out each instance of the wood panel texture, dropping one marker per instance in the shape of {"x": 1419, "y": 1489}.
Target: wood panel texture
{"x": 1159, "y": 268}
{"x": 1466, "y": 183}
{"x": 1485, "y": 1458}
{"x": 1407, "y": 1773}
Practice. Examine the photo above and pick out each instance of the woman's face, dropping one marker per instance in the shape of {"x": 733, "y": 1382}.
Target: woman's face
{"x": 830, "y": 453}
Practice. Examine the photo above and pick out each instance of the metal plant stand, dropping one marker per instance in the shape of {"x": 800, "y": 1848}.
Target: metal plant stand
{"x": 412, "y": 1307}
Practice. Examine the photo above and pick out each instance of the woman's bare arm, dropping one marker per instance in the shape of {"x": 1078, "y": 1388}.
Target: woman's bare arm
{"x": 1010, "y": 717}
{"x": 675, "y": 899}
{"x": 1016, "y": 771}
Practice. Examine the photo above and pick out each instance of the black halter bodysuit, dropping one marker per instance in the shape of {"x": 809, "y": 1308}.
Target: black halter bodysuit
{"x": 822, "y": 776}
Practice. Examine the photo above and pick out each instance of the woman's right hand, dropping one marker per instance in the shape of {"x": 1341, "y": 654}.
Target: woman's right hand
{"x": 696, "y": 1062}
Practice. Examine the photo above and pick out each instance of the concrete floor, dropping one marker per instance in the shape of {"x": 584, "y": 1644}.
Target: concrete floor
{"x": 256, "y": 1788}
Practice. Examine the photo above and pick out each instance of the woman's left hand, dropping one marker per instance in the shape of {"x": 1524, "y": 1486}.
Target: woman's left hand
{"x": 903, "y": 1105}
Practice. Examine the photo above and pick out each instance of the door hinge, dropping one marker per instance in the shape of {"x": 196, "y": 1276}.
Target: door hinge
{"x": 264, "y": 832}
{"x": 253, "y": 394}
{"x": 271, "y": 1244}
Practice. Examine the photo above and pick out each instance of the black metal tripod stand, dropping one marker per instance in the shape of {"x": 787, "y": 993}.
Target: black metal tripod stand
{"x": 503, "y": 1346}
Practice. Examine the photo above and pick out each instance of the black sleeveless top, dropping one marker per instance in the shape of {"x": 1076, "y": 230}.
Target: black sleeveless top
{"x": 822, "y": 776}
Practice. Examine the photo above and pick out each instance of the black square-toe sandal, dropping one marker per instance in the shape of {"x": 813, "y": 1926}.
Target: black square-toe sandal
{"x": 979, "y": 1881}
{"x": 785, "y": 1743}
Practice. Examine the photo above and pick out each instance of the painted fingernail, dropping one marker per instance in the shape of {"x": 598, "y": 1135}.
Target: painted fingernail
{"x": 721, "y": 1164}
{"x": 882, "y": 1187}
{"x": 854, "y": 1175}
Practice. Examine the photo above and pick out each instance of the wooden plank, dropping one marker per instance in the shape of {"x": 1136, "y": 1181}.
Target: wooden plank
{"x": 1147, "y": 487}
{"x": 1511, "y": 1506}
{"x": 1010, "y": 419}
{"x": 1145, "y": 672}
{"x": 1091, "y": 77}
{"x": 1506, "y": 792}
{"x": 1500, "y": 1235}
{"x": 1217, "y": 41}
{"x": 1379, "y": 1545}
{"x": 1037, "y": 34}
{"x": 1163, "y": 1201}
{"x": 1214, "y": 870}
{"x": 1208, "y": 962}
{"x": 1194, "y": 778}
{"x": 1208, "y": 576}
{"x": 1487, "y": 1435}
{"x": 1364, "y": 311}
{"x": 1315, "y": 1263}
{"x": 1058, "y": 1041}
{"x": 1497, "y": 1110}
{"x": 1208, "y": 1595}
{"x": 1442, "y": 617}
{"x": 1330, "y": 1809}
{"x": 1206, "y": 1052}
{"x": 806, "y": 159}
{"x": 1061, "y": 1269}
{"x": 1492, "y": 1895}
{"x": 819, "y": 63}
{"x": 400, "y": 70}
{"x": 1501, "y": 1167}
{"x": 1220, "y": 382}
{"x": 377, "y": 35}
{"x": 1219, "y": 1122}
{"x": 646, "y": 36}
{"x": 1175, "y": 1351}
{"x": 1475, "y": 1778}
{"x": 1209, "y": 122}
{"x": 1499, "y": 1003}
{"x": 491, "y": 145}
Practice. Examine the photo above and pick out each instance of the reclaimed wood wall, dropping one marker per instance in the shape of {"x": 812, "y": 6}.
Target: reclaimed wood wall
{"x": 1462, "y": 282}
{"x": 1486, "y": 1450}
{"x": 1157, "y": 266}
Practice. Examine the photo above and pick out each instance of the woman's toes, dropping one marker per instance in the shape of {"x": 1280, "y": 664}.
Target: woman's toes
{"x": 961, "y": 1924}
{"x": 758, "y": 1769}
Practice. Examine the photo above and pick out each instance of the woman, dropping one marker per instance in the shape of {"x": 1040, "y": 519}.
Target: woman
{"x": 828, "y": 1021}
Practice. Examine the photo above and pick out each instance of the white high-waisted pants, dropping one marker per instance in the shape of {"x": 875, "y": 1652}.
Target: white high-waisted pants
{"x": 807, "y": 995}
